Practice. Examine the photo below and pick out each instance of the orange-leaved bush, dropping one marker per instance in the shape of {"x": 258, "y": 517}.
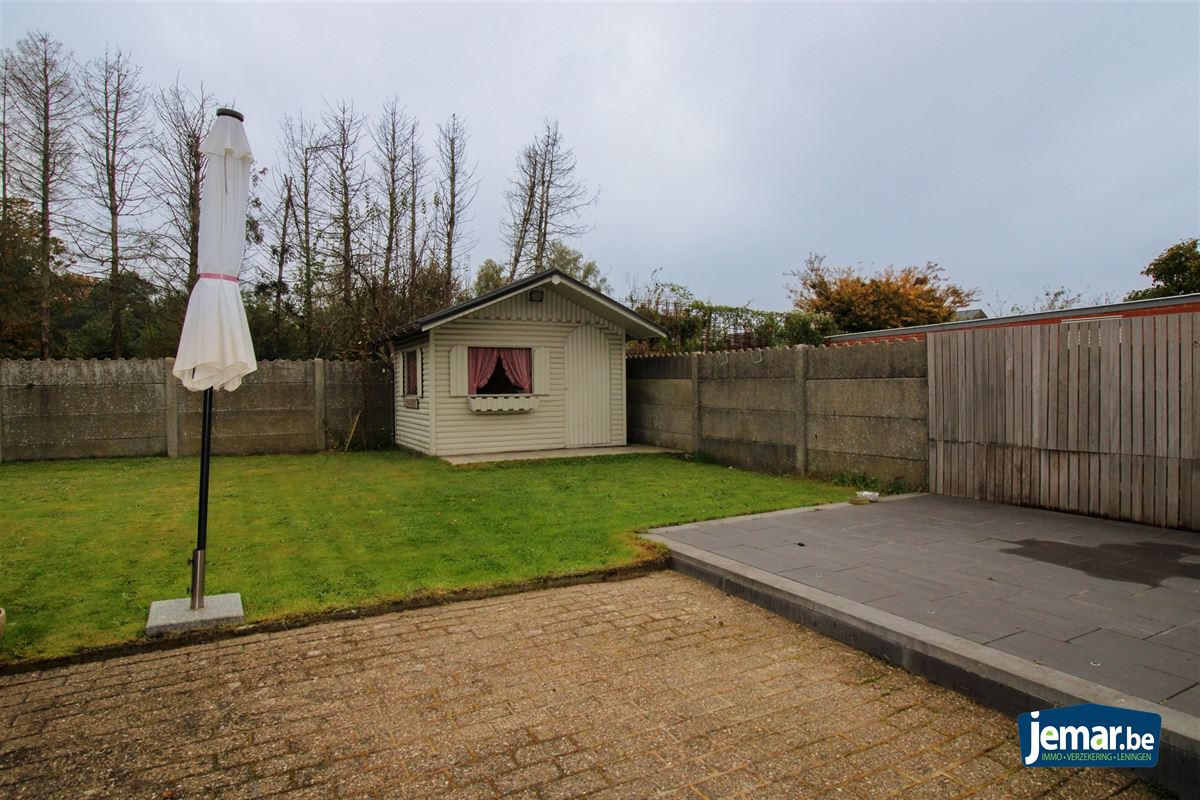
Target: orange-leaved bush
{"x": 891, "y": 298}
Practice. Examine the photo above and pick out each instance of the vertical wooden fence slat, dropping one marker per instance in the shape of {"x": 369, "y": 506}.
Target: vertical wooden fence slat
{"x": 1110, "y": 388}
{"x": 1149, "y": 412}
{"x": 1073, "y": 427}
{"x": 1137, "y": 422}
{"x": 1160, "y": 420}
{"x": 1192, "y": 352}
{"x": 1013, "y": 408}
{"x": 949, "y": 415}
{"x": 1187, "y": 412}
{"x": 960, "y": 477}
{"x": 931, "y": 378}
{"x": 1093, "y": 445}
{"x": 1126, "y": 411}
{"x": 1031, "y": 462}
{"x": 943, "y": 404}
{"x": 1173, "y": 422}
{"x": 1044, "y": 408}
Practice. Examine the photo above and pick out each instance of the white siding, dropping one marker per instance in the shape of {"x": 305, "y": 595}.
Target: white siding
{"x": 616, "y": 366}
{"x": 516, "y": 322}
{"x": 413, "y": 424}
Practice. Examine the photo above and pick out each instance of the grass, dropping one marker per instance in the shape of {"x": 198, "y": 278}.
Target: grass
{"x": 85, "y": 546}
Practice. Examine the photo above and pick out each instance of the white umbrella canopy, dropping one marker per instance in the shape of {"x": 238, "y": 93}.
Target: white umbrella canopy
{"x": 215, "y": 351}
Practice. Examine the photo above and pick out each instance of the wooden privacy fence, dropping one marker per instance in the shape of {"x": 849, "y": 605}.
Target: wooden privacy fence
{"x": 1096, "y": 416}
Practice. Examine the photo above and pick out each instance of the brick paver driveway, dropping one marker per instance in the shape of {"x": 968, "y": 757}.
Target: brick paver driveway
{"x": 628, "y": 689}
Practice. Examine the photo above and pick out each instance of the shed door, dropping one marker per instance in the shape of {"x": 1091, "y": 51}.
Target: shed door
{"x": 589, "y": 399}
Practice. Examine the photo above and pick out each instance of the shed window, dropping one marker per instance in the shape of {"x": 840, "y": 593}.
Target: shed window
{"x": 499, "y": 370}
{"x": 410, "y": 374}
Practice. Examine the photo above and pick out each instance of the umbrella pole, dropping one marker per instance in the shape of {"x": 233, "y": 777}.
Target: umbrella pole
{"x": 202, "y": 517}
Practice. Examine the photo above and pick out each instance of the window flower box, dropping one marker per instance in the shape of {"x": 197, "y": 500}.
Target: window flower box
{"x": 502, "y": 403}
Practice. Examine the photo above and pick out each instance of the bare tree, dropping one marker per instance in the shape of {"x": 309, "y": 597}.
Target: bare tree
{"x": 5, "y": 102}
{"x": 5, "y": 98}
{"x": 456, "y": 190}
{"x": 177, "y": 175}
{"x": 282, "y": 254}
{"x": 302, "y": 155}
{"x": 114, "y": 136}
{"x": 545, "y": 201}
{"x": 347, "y": 185}
{"x": 391, "y": 135}
{"x": 521, "y": 198}
{"x": 415, "y": 162}
{"x": 45, "y": 108}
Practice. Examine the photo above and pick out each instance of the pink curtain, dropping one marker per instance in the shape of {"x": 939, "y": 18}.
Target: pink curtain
{"x": 518, "y": 366}
{"x": 481, "y": 363}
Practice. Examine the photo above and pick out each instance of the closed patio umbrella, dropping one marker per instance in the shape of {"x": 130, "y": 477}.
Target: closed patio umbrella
{"x": 215, "y": 351}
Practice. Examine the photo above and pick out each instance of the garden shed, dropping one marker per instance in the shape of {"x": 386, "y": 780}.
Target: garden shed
{"x": 536, "y": 365}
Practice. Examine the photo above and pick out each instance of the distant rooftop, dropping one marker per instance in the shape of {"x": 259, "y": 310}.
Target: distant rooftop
{"x": 969, "y": 314}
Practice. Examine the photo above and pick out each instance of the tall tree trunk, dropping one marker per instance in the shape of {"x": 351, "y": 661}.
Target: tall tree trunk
{"x": 193, "y": 241}
{"x": 280, "y": 262}
{"x": 306, "y": 238}
{"x": 412, "y": 238}
{"x": 44, "y": 238}
{"x": 115, "y": 288}
{"x": 451, "y": 222}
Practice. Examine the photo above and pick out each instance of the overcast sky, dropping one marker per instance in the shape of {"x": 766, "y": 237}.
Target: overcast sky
{"x": 1018, "y": 145}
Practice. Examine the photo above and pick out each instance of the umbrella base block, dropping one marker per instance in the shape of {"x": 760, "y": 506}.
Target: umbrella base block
{"x": 177, "y": 616}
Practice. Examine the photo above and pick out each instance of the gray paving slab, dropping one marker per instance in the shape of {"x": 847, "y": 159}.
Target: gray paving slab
{"x": 836, "y": 582}
{"x": 955, "y": 617}
{"x": 1147, "y": 653}
{"x": 1062, "y": 590}
{"x": 972, "y": 618}
{"x": 1097, "y": 665}
{"x": 699, "y": 538}
{"x": 1188, "y": 701}
{"x": 770, "y": 560}
{"x": 1182, "y": 637}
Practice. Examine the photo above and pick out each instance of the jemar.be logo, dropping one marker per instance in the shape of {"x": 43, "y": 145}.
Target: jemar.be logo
{"x": 1089, "y": 735}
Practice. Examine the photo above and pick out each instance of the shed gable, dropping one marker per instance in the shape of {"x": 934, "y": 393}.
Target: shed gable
{"x": 552, "y": 308}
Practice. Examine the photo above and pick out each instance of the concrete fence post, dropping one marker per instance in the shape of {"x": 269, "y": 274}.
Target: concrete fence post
{"x": 800, "y": 398}
{"x": 695, "y": 402}
{"x": 319, "y": 402}
{"x": 170, "y": 408}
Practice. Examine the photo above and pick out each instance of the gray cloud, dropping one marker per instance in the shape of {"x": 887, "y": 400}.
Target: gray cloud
{"x": 1017, "y": 145}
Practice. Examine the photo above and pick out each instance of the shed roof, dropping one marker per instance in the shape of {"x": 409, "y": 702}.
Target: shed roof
{"x": 633, "y": 323}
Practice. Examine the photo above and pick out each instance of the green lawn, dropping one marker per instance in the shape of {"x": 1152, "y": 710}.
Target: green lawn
{"x": 85, "y": 546}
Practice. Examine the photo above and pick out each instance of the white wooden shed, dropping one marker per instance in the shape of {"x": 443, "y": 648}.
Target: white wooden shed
{"x": 536, "y": 365}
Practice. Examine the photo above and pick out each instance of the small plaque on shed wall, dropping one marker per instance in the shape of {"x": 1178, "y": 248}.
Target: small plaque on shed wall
{"x": 412, "y": 402}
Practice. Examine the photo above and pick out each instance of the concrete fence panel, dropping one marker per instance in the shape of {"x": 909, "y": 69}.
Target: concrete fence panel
{"x": 661, "y": 396}
{"x": 94, "y": 409}
{"x": 868, "y": 411}
{"x": 861, "y": 409}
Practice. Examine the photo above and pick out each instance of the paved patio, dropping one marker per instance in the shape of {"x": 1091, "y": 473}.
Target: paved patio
{"x": 657, "y": 686}
{"x": 1112, "y": 602}
{"x": 1111, "y": 608}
